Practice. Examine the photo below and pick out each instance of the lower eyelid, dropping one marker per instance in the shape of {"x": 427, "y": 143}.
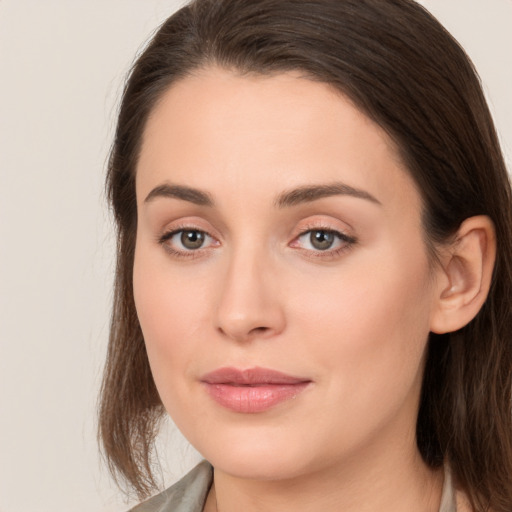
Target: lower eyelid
{"x": 332, "y": 254}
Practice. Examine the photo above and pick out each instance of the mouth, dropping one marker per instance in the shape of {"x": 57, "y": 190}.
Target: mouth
{"x": 252, "y": 390}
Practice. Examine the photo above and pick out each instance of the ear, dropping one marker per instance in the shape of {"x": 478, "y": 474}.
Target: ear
{"x": 465, "y": 274}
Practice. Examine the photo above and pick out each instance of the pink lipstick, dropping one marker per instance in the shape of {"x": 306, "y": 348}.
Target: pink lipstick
{"x": 252, "y": 390}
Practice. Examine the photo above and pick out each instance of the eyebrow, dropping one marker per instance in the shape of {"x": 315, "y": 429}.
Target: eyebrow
{"x": 308, "y": 194}
{"x": 192, "y": 195}
{"x": 296, "y": 196}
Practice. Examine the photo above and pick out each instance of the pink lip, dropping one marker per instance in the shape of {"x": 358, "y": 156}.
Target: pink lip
{"x": 252, "y": 390}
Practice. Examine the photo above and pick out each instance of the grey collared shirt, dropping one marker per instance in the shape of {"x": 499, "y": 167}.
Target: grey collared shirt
{"x": 189, "y": 494}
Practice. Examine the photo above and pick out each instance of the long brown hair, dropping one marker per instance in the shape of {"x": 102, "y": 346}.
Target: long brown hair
{"x": 406, "y": 72}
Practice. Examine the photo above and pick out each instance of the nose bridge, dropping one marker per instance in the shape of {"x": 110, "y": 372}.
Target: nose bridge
{"x": 248, "y": 304}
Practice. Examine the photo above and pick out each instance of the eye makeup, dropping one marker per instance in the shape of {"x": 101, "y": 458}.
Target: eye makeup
{"x": 190, "y": 238}
{"x": 187, "y": 241}
{"x": 326, "y": 243}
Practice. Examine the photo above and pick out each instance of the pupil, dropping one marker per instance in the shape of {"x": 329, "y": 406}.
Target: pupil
{"x": 192, "y": 239}
{"x": 321, "y": 240}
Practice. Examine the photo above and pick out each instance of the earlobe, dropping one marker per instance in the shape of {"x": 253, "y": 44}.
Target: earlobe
{"x": 465, "y": 275}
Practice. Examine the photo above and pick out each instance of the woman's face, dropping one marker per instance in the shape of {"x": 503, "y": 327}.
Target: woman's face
{"x": 281, "y": 278}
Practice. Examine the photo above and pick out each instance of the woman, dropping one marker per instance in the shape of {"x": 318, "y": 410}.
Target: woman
{"x": 314, "y": 263}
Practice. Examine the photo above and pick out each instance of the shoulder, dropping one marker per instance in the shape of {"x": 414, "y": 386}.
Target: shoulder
{"x": 187, "y": 495}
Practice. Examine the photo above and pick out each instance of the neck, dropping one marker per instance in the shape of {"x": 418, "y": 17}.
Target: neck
{"x": 390, "y": 483}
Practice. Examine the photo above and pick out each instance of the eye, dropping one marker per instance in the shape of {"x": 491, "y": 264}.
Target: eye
{"x": 181, "y": 241}
{"x": 323, "y": 240}
{"x": 320, "y": 239}
{"x": 191, "y": 239}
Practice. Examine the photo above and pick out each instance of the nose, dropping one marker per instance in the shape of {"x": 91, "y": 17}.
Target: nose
{"x": 249, "y": 306}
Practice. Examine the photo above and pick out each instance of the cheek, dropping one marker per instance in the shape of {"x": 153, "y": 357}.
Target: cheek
{"x": 370, "y": 326}
{"x": 171, "y": 313}
{"x": 164, "y": 307}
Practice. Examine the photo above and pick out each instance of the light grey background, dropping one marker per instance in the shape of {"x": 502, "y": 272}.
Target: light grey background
{"x": 62, "y": 66}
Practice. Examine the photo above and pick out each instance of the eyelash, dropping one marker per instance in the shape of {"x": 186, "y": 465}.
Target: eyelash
{"x": 182, "y": 254}
{"x": 347, "y": 243}
{"x": 329, "y": 254}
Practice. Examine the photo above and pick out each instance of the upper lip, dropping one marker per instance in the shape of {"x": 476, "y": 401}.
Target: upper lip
{"x": 251, "y": 376}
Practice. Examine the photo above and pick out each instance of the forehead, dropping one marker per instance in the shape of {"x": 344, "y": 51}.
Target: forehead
{"x": 216, "y": 129}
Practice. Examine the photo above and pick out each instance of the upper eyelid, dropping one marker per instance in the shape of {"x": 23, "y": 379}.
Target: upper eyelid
{"x": 185, "y": 226}
{"x": 323, "y": 228}
{"x": 321, "y": 225}
{"x": 169, "y": 234}
{"x": 173, "y": 231}
{"x": 343, "y": 237}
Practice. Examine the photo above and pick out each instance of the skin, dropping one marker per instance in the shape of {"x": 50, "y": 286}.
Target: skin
{"x": 354, "y": 322}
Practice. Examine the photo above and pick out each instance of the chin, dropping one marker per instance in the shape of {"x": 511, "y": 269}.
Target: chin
{"x": 259, "y": 466}
{"x": 256, "y": 454}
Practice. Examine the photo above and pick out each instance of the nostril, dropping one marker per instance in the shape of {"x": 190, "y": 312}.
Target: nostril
{"x": 257, "y": 332}
{"x": 260, "y": 329}
{"x": 244, "y": 334}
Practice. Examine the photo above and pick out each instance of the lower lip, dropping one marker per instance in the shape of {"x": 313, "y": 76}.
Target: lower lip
{"x": 253, "y": 399}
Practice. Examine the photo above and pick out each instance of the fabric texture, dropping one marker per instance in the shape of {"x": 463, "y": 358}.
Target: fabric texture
{"x": 448, "y": 502}
{"x": 189, "y": 494}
